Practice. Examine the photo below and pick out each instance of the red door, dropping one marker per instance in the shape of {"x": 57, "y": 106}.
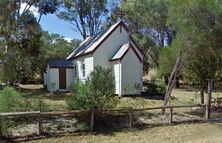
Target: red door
{"x": 62, "y": 78}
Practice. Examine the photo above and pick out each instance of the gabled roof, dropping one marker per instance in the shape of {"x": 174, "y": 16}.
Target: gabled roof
{"x": 89, "y": 45}
{"x": 122, "y": 50}
{"x": 119, "y": 55}
{"x": 58, "y": 63}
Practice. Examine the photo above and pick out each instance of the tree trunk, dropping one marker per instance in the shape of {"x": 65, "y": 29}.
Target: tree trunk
{"x": 172, "y": 80}
{"x": 202, "y": 96}
{"x": 177, "y": 82}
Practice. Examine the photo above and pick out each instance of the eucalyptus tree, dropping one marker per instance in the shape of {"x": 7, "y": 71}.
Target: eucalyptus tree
{"x": 86, "y": 16}
{"x": 197, "y": 43}
{"x": 147, "y": 20}
{"x": 20, "y": 34}
{"x": 53, "y": 46}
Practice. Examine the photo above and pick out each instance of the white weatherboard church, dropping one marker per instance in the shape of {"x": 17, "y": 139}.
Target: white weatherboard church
{"x": 111, "y": 48}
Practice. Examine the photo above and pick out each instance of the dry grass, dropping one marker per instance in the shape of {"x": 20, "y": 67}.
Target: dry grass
{"x": 189, "y": 133}
{"x": 195, "y": 132}
{"x": 50, "y": 101}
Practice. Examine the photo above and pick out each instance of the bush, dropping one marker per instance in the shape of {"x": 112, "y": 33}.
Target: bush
{"x": 11, "y": 100}
{"x": 96, "y": 93}
{"x": 158, "y": 87}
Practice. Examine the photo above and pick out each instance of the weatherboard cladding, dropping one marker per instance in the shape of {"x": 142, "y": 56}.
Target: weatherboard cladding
{"x": 59, "y": 63}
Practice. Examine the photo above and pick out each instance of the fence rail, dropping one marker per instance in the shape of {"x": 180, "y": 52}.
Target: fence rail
{"x": 40, "y": 115}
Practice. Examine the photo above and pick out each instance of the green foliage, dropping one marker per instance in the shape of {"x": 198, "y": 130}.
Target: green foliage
{"x": 20, "y": 35}
{"x": 54, "y": 47}
{"x": 81, "y": 96}
{"x": 95, "y": 93}
{"x": 6, "y": 125}
{"x": 166, "y": 61}
{"x": 198, "y": 25}
{"x": 158, "y": 87}
{"x": 86, "y": 16}
{"x": 151, "y": 30}
{"x": 11, "y": 100}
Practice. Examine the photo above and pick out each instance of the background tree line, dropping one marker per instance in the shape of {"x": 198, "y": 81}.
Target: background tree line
{"x": 25, "y": 47}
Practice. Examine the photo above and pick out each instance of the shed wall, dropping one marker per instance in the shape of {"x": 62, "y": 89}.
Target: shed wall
{"x": 69, "y": 77}
{"x": 132, "y": 73}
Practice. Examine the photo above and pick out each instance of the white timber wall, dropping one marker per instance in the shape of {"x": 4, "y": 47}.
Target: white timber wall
{"x": 89, "y": 66}
{"x": 117, "y": 75}
{"x": 109, "y": 47}
{"x": 69, "y": 78}
{"x": 132, "y": 73}
{"x": 53, "y": 79}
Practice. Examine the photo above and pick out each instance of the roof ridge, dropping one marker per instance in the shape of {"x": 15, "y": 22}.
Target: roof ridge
{"x": 95, "y": 41}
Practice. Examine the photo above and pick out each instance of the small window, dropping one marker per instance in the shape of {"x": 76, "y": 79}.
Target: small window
{"x": 83, "y": 69}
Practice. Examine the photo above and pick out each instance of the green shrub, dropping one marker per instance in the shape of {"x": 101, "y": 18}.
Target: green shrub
{"x": 96, "y": 93}
{"x": 158, "y": 86}
{"x": 11, "y": 100}
{"x": 80, "y": 98}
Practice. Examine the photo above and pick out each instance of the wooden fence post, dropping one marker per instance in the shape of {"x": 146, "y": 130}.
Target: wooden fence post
{"x": 206, "y": 112}
{"x": 209, "y": 93}
{"x": 40, "y": 118}
{"x": 92, "y": 119}
{"x": 171, "y": 116}
{"x": 130, "y": 117}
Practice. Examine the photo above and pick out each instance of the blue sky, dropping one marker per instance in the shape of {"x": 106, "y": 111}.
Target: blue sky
{"x": 54, "y": 25}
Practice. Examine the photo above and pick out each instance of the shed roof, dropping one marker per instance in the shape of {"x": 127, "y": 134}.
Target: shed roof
{"x": 58, "y": 63}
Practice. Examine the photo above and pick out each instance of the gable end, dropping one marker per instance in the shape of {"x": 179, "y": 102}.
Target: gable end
{"x": 121, "y": 24}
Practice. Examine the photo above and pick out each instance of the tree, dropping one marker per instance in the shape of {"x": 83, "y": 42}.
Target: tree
{"x": 151, "y": 31}
{"x": 206, "y": 63}
{"x": 95, "y": 93}
{"x": 54, "y": 47}
{"x": 167, "y": 58}
{"x": 20, "y": 35}
{"x": 86, "y": 16}
{"x": 195, "y": 36}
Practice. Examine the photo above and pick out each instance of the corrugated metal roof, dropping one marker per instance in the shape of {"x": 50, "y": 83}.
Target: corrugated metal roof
{"x": 89, "y": 44}
{"x": 59, "y": 63}
{"x": 121, "y": 51}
